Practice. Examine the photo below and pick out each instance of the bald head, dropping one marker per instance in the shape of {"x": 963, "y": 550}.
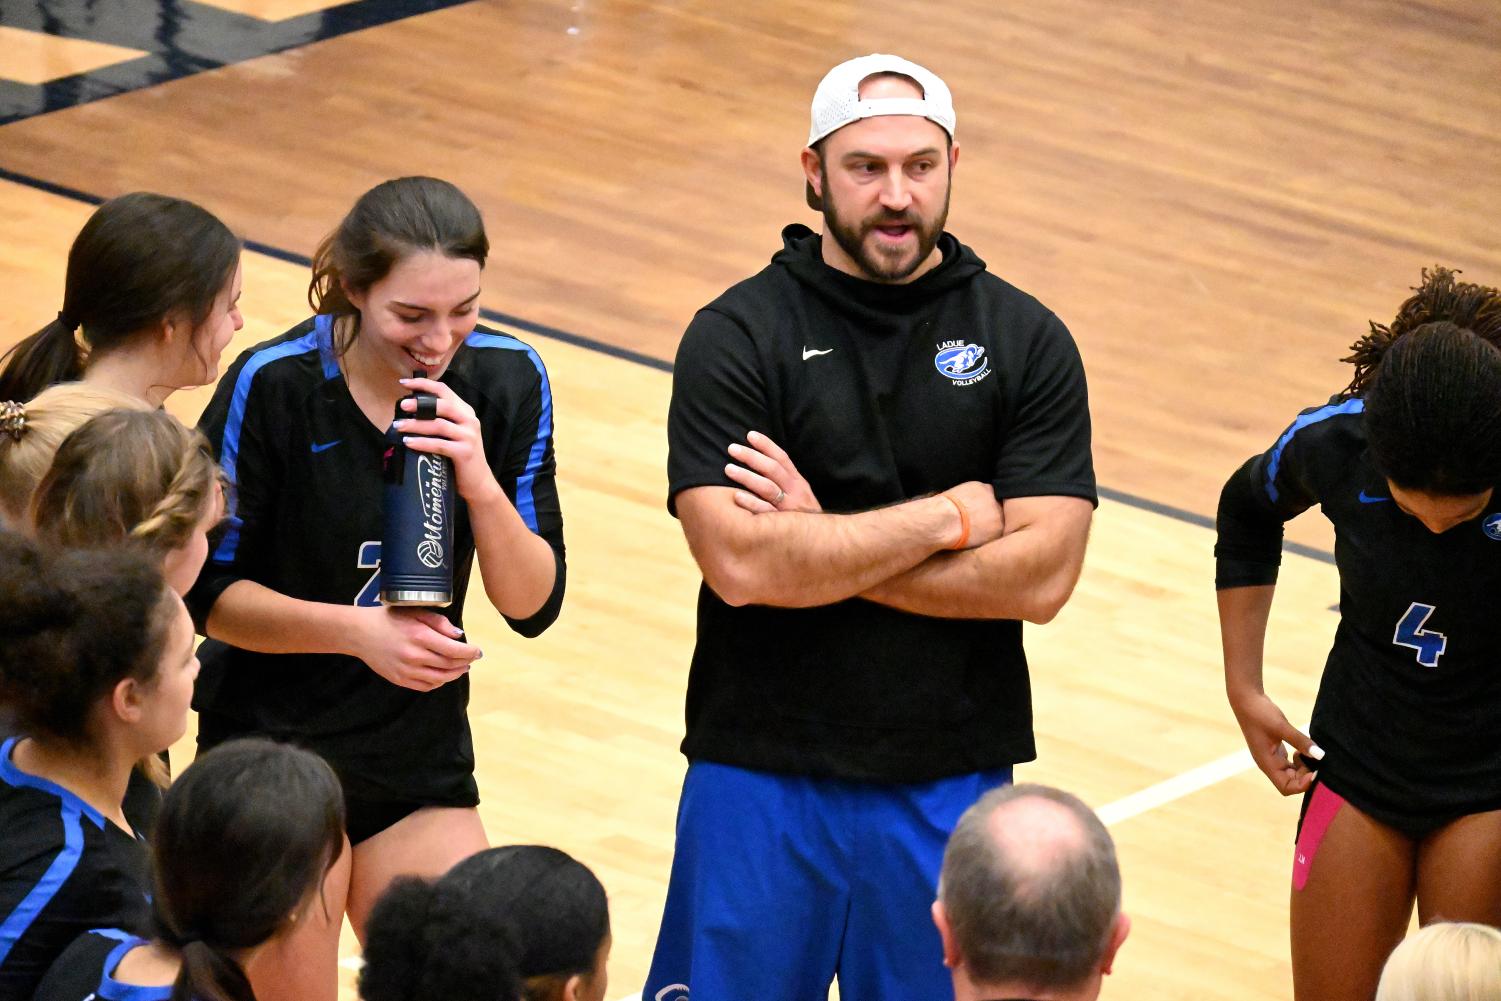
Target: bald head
{"x": 1031, "y": 889}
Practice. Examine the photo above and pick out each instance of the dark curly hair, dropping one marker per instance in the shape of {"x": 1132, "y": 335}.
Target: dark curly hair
{"x": 507, "y": 924}
{"x": 73, "y": 624}
{"x": 1441, "y": 297}
{"x": 1431, "y": 382}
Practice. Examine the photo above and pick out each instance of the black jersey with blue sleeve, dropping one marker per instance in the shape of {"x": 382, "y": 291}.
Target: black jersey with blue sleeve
{"x": 303, "y": 463}
{"x": 64, "y": 869}
{"x": 1411, "y": 691}
{"x": 86, "y": 971}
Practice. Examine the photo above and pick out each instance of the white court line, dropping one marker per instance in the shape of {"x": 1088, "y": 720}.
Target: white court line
{"x": 1177, "y": 787}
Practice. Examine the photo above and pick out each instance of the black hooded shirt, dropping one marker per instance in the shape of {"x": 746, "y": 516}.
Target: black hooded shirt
{"x": 880, "y": 394}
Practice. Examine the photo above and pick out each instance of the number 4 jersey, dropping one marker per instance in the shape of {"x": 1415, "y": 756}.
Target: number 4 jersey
{"x": 1409, "y": 707}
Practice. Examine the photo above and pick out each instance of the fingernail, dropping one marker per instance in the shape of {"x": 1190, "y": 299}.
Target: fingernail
{"x": 461, "y": 632}
{"x": 398, "y": 425}
{"x": 403, "y": 381}
{"x": 736, "y": 447}
{"x": 1315, "y": 752}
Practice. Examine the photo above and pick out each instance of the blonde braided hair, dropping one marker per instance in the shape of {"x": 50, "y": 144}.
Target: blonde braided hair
{"x": 127, "y": 476}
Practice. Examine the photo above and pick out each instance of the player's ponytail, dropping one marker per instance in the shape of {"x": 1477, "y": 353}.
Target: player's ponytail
{"x": 1431, "y": 382}
{"x": 388, "y": 224}
{"x": 244, "y": 840}
{"x": 139, "y": 259}
{"x": 514, "y": 922}
{"x": 209, "y": 974}
{"x": 1439, "y": 298}
{"x": 48, "y": 356}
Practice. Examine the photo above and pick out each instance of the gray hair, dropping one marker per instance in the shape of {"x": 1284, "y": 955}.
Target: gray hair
{"x": 1040, "y": 914}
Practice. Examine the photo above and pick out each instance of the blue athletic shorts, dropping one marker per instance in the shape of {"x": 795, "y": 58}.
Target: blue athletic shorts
{"x": 781, "y": 883}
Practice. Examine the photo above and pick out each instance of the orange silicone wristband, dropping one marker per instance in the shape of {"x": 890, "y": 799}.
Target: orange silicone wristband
{"x": 963, "y": 522}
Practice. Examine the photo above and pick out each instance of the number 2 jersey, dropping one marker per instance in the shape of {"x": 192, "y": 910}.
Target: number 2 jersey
{"x": 304, "y": 467}
{"x": 1409, "y": 708}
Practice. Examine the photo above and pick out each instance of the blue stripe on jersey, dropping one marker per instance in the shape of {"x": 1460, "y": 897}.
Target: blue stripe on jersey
{"x": 229, "y": 451}
{"x": 13, "y": 776}
{"x": 20, "y": 919}
{"x": 323, "y": 326}
{"x": 111, "y": 989}
{"x": 526, "y": 506}
{"x": 1351, "y": 406}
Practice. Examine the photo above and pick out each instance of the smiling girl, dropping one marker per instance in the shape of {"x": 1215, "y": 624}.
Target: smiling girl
{"x": 301, "y": 649}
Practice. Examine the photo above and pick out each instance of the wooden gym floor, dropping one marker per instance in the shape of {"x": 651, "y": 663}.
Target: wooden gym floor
{"x": 1214, "y": 196}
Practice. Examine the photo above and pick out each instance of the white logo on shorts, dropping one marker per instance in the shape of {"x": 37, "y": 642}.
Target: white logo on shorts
{"x": 673, "y": 992}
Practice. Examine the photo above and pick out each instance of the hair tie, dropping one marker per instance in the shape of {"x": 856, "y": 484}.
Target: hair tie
{"x": 69, "y": 325}
{"x": 12, "y": 418}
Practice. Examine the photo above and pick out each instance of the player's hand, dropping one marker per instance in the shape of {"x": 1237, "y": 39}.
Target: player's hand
{"x": 770, "y": 481}
{"x": 1267, "y": 734}
{"x": 986, "y": 520}
{"x": 414, "y": 648}
{"x": 455, "y": 432}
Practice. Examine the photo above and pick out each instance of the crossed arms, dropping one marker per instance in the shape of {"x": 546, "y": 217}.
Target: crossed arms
{"x": 771, "y": 544}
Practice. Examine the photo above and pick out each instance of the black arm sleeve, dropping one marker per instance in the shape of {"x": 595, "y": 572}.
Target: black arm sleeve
{"x": 1248, "y": 543}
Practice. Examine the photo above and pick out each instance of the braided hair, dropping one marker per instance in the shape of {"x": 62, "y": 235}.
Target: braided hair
{"x": 1431, "y": 381}
{"x": 127, "y": 476}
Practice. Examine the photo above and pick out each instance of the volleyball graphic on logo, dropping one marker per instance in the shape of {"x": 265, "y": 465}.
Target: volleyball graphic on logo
{"x": 430, "y": 553}
{"x": 962, "y": 361}
{"x": 1492, "y": 526}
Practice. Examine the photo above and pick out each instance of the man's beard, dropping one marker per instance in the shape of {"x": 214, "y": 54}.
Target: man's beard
{"x": 878, "y": 266}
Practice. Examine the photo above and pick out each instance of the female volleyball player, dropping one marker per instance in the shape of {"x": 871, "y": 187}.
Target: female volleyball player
{"x": 154, "y": 283}
{"x": 305, "y": 651}
{"x": 132, "y": 477}
{"x": 524, "y": 922}
{"x": 96, "y": 660}
{"x": 1402, "y": 775}
{"x": 244, "y": 840}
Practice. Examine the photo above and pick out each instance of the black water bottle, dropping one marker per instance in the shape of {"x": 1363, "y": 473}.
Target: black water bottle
{"x": 416, "y": 551}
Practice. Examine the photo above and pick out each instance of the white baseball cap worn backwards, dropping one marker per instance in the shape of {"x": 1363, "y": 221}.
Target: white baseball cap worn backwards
{"x": 837, "y": 103}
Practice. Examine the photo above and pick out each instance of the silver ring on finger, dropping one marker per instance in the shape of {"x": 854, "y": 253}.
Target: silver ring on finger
{"x": 781, "y": 496}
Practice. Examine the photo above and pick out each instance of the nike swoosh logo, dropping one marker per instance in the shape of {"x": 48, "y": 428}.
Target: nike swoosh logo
{"x": 814, "y": 353}
{"x": 1367, "y": 499}
{"x": 325, "y": 447}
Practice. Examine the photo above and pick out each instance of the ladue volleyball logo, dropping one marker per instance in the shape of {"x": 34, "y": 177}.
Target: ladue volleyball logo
{"x": 432, "y": 486}
{"x": 962, "y": 362}
{"x": 1492, "y": 526}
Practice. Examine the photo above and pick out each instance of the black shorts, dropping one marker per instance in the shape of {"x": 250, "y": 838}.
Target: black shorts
{"x": 1409, "y": 823}
{"x": 364, "y": 817}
